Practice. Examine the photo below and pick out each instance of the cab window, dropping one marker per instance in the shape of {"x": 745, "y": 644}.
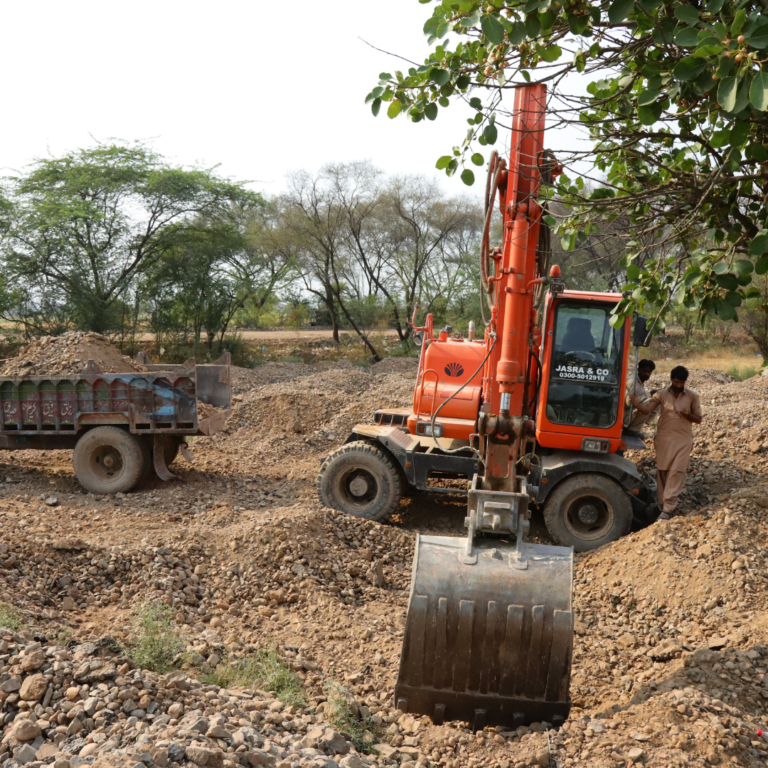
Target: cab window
{"x": 585, "y": 372}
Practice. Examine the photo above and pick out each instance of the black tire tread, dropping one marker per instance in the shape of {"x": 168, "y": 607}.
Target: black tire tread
{"x": 394, "y": 472}
{"x": 556, "y": 502}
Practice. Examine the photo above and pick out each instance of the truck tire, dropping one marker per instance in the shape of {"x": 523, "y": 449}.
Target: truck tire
{"x": 108, "y": 460}
{"x": 172, "y": 448}
{"x": 587, "y": 511}
{"x": 361, "y": 480}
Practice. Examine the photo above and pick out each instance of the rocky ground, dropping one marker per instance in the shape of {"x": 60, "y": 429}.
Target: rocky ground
{"x": 671, "y": 647}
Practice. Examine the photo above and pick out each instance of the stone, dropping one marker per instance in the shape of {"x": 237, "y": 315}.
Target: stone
{"x": 626, "y": 640}
{"x": 25, "y": 730}
{"x": 755, "y": 446}
{"x": 218, "y": 732}
{"x": 67, "y": 604}
{"x": 200, "y": 725}
{"x": 33, "y": 661}
{"x": 541, "y": 758}
{"x": 705, "y": 550}
{"x": 74, "y": 727}
{"x": 198, "y": 755}
{"x": 51, "y": 501}
{"x": 635, "y": 754}
{"x": 33, "y": 688}
{"x": 176, "y": 709}
{"x": 11, "y": 685}
{"x": 88, "y": 750}
{"x": 387, "y": 751}
{"x": 351, "y": 761}
{"x": 176, "y": 753}
{"x": 47, "y": 750}
{"x": 25, "y": 754}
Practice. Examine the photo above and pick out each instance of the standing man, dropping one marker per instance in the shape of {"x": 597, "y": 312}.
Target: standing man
{"x": 680, "y": 409}
{"x": 645, "y": 369}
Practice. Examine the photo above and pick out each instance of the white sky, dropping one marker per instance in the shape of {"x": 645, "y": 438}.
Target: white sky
{"x": 258, "y": 88}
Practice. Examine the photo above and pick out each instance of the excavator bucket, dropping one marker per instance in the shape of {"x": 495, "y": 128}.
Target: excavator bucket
{"x": 488, "y": 639}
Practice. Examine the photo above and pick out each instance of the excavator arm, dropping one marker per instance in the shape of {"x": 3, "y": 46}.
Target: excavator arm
{"x": 489, "y": 631}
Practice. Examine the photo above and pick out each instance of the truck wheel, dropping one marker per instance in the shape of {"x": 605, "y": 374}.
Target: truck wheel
{"x": 587, "y": 511}
{"x": 108, "y": 460}
{"x": 361, "y": 480}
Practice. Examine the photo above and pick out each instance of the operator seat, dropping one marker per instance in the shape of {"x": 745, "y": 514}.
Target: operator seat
{"x": 578, "y": 336}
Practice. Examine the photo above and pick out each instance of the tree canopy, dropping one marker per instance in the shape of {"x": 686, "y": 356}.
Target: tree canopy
{"x": 79, "y": 229}
{"x": 676, "y": 109}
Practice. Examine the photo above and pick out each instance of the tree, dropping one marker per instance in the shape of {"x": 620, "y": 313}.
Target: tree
{"x": 217, "y": 270}
{"x": 677, "y": 109}
{"x": 86, "y": 225}
{"x": 755, "y": 318}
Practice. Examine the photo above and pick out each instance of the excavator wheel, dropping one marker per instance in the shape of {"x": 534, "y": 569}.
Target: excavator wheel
{"x": 361, "y": 480}
{"x": 587, "y": 511}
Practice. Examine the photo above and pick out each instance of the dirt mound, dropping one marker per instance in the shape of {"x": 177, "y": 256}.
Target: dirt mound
{"x": 68, "y": 354}
{"x": 407, "y": 365}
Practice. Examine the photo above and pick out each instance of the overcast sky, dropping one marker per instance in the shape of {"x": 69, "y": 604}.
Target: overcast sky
{"x": 257, "y": 88}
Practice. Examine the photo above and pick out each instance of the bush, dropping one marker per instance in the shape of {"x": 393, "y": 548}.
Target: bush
{"x": 742, "y": 374}
{"x": 156, "y": 639}
{"x": 363, "y": 733}
{"x": 9, "y": 618}
{"x": 264, "y": 670}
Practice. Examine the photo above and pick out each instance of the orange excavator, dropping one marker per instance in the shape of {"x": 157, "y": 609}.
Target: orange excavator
{"x": 532, "y": 417}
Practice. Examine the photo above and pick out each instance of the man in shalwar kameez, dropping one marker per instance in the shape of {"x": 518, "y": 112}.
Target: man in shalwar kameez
{"x": 680, "y": 409}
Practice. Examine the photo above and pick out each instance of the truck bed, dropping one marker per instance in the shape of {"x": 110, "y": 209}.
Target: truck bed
{"x": 48, "y": 411}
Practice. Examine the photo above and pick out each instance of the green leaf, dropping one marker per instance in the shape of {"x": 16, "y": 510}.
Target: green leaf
{"x": 650, "y": 113}
{"x": 478, "y": 159}
{"x": 468, "y": 177}
{"x": 431, "y": 111}
{"x": 726, "y": 93}
{"x": 761, "y": 267}
{"x": 692, "y": 278}
{"x": 705, "y": 51}
{"x": 689, "y": 68}
{"x": 687, "y": 37}
{"x": 738, "y": 22}
{"x": 375, "y": 106}
{"x": 743, "y": 267}
{"x": 687, "y": 14}
{"x": 440, "y": 76}
{"x": 758, "y": 92}
{"x": 492, "y": 29}
{"x": 720, "y": 268}
{"x": 395, "y": 108}
{"x": 619, "y": 10}
{"x": 490, "y": 133}
{"x": 633, "y": 272}
{"x": 759, "y": 36}
{"x": 759, "y": 244}
{"x": 647, "y": 97}
{"x": 443, "y": 162}
{"x": 726, "y": 312}
{"x": 733, "y": 298}
{"x": 715, "y": 6}
{"x": 728, "y": 281}
{"x": 551, "y": 53}
{"x": 518, "y": 33}
{"x": 532, "y": 26}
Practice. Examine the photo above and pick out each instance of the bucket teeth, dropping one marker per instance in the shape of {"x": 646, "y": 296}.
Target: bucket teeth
{"x": 488, "y": 643}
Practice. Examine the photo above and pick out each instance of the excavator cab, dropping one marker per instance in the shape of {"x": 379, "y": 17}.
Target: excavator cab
{"x": 583, "y": 370}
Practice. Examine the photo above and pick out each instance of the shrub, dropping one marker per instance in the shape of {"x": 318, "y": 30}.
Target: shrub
{"x": 9, "y": 618}
{"x": 264, "y": 670}
{"x": 742, "y": 374}
{"x": 363, "y": 733}
{"x": 156, "y": 639}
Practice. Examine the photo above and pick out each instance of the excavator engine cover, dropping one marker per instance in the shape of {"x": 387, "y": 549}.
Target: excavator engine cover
{"x": 488, "y": 640}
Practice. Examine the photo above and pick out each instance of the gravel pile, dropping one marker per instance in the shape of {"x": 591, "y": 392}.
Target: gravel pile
{"x": 71, "y": 705}
{"x": 68, "y": 354}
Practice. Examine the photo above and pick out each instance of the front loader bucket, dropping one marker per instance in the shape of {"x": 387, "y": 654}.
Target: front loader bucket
{"x": 488, "y": 643}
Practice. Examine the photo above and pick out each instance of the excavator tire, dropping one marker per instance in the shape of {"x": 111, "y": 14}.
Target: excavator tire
{"x": 587, "y": 511}
{"x": 361, "y": 480}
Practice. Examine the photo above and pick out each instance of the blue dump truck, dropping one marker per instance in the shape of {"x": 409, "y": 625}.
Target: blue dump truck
{"x": 121, "y": 426}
